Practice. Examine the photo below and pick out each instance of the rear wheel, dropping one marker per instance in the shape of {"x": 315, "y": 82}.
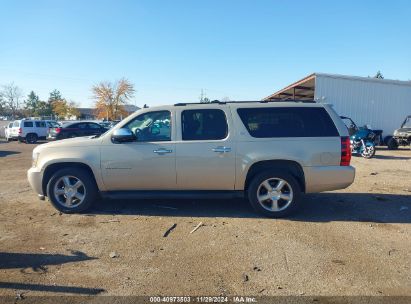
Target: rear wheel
{"x": 72, "y": 190}
{"x": 274, "y": 193}
{"x": 31, "y": 138}
{"x": 392, "y": 144}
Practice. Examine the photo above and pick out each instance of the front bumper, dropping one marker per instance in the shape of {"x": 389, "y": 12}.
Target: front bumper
{"x": 35, "y": 177}
{"x": 328, "y": 178}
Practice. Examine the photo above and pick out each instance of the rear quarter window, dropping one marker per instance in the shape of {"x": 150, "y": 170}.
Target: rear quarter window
{"x": 287, "y": 122}
{"x": 40, "y": 124}
{"x": 28, "y": 124}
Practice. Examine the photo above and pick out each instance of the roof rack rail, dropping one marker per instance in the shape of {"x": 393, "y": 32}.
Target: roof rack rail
{"x": 182, "y": 104}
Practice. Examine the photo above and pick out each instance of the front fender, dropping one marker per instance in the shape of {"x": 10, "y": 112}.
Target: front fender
{"x": 89, "y": 156}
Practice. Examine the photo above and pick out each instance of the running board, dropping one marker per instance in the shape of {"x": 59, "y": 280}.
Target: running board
{"x": 172, "y": 194}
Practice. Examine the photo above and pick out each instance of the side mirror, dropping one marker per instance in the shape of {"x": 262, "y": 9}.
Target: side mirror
{"x": 122, "y": 135}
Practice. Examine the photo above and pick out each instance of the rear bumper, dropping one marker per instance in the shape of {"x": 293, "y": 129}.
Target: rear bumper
{"x": 35, "y": 177}
{"x": 327, "y": 178}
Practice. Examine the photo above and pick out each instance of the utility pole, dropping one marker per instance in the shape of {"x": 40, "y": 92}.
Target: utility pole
{"x": 203, "y": 97}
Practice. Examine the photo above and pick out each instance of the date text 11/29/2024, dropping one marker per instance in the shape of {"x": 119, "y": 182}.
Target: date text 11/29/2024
{"x": 202, "y": 299}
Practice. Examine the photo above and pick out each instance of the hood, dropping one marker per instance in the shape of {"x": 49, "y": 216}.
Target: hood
{"x": 69, "y": 143}
{"x": 403, "y": 130}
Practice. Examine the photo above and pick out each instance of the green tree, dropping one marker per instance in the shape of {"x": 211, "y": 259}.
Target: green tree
{"x": 55, "y": 95}
{"x": 57, "y": 104}
{"x": 43, "y": 109}
{"x": 31, "y": 103}
{"x": 379, "y": 75}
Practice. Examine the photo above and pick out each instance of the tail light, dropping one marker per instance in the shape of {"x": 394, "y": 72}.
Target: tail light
{"x": 345, "y": 151}
{"x": 20, "y": 131}
{"x": 58, "y": 130}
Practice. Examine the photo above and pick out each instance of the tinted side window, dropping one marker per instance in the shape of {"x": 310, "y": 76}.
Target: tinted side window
{"x": 82, "y": 126}
{"x": 151, "y": 126}
{"x": 287, "y": 122}
{"x": 28, "y": 124}
{"x": 204, "y": 124}
{"x": 40, "y": 124}
{"x": 94, "y": 126}
{"x": 52, "y": 124}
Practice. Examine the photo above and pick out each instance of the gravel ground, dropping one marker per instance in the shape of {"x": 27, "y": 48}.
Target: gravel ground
{"x": 350, "y": 242}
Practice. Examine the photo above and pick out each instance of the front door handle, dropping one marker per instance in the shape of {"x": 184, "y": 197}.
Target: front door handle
{"x": 221, "y": 149}
{"x": 162, "y": 151}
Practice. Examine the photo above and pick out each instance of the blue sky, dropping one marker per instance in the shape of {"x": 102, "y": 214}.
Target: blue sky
{"x": 171, "y": 50}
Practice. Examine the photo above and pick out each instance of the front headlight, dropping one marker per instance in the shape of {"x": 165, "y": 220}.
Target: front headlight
{"x": 34, "y": 160}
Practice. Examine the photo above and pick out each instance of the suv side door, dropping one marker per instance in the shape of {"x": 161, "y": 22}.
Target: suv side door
{"x": 146, "y": 164}
{"x": 41, "y": 128}
{"x": 205, "y": 156}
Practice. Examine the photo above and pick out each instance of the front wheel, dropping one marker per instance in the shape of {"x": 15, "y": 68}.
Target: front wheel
{"x": 368, "y": 151}
{"x": 392, "y": 144}
{"x": 72, "y": 190}
{"x": 274, "y": 193}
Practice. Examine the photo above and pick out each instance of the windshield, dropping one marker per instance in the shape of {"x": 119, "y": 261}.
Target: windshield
{"x": 407, "y": 123}
{"x": 53, "y": 124}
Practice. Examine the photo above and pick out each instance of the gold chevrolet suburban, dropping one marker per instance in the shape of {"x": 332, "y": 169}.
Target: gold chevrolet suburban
{"x": 268, "y": 152}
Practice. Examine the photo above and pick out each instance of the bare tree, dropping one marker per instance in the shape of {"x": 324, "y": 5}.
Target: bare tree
{"x": 110, "y": 98}
{"x": 11, "y": 95}
{"x": 2, "y": 104}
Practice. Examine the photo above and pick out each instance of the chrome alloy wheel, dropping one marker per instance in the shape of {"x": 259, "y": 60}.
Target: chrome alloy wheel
{"x": 69, "y": 191}
{"x": 275, "y": 194}
{"x": 368, "y": 152}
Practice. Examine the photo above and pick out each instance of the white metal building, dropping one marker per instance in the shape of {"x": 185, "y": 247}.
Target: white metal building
{"x": 381, "y": 103}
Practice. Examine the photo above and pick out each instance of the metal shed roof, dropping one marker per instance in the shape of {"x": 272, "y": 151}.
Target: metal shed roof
{"x": 304, "y": 89}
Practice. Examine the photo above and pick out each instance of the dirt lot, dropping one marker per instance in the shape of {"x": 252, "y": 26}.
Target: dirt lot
{"x": 351, "y": 242}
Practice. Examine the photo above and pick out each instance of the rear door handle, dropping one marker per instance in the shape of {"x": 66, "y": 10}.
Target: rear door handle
{"x": 162, "y": 151}
{"x": 221, "y": 149}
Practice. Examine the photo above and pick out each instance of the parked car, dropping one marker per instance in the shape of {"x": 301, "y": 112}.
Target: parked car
{"x": 29, "y": 131}
{"x": 75, "y": 129}
{"x": 105, "y": 124}
{"x": 402, "y": 136}
{"x": 7, "y": 131}
{"x": 268, "y": 152}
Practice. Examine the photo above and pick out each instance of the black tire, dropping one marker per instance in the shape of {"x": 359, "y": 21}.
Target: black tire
{"x": 392, "y": 144}
{"x": 274, "y": 174}
{"x": 72, "y": 135}
{"x": 369, "y": 155}
{"x": 91, "y": 191}
{"x": 31, "y": 138}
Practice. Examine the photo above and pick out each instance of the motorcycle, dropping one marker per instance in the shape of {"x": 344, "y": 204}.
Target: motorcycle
{"x": 362, "y": 139}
